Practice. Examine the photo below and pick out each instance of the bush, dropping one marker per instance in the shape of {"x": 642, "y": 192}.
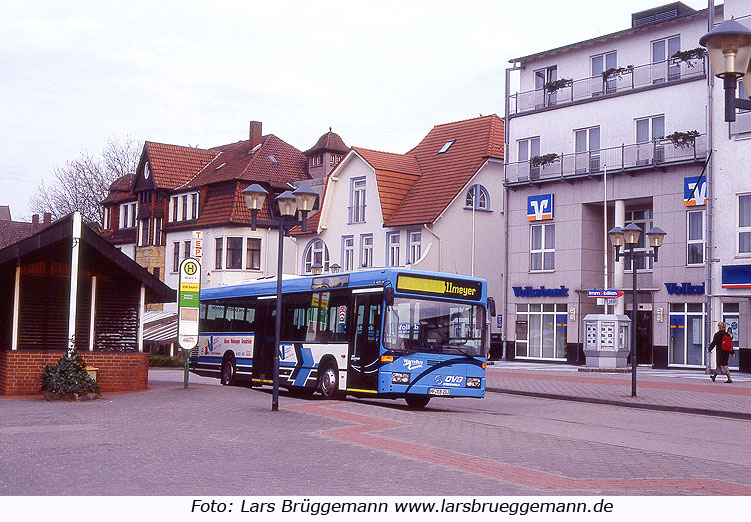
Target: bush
{"x": 165, "y": 361}
{"x": 68, "y": 378}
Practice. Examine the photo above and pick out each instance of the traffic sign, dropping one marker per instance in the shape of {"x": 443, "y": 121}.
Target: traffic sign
{"x": 604, "y": 293}
{"x": 188, "y": 299}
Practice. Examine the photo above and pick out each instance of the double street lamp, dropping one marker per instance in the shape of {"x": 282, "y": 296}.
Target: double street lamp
{"x": 729, "y": 49}
{"x": 630, "y": 235}
{"x": 302, "y": 199}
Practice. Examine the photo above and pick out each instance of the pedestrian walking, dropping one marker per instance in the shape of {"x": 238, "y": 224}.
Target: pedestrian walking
{"x": 723, "y": 341}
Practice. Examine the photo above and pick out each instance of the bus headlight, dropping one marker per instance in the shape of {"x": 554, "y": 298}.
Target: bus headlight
{"x": 473, "y": 382}
{"x": 399, "y": 378}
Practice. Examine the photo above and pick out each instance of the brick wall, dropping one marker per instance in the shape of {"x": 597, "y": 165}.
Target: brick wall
{"x": 21, "y": 371}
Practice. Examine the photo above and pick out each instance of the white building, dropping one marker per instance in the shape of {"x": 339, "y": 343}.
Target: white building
{"x": 602, "y": 133}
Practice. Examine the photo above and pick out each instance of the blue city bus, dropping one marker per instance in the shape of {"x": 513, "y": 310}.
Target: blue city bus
{"x": 386, "y": 333}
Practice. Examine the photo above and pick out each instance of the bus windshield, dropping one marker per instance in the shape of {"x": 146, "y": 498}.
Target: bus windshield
{"x": 418, "y": 325}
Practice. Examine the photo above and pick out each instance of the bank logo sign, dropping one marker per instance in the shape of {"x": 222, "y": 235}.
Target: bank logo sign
{"x": 694, "y": 191}
{"x": 540, "y": 207}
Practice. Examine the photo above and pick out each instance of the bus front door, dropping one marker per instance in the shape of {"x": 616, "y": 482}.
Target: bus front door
{"x": 263, "y": 350}
{"x": 364, "y": 348}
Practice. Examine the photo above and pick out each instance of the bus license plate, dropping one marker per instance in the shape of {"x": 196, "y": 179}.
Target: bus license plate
{"x": 439, "y": 391}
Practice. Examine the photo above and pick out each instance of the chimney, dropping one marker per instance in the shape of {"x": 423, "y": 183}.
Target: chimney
{"x": 47, "y": 218}
{"x": 255, "y": 133}
{"x": 35, "y": 222}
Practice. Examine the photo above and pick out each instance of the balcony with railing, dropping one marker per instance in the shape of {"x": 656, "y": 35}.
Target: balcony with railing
{"x": 625, "y": 158}
{"x": 623, "y": 80}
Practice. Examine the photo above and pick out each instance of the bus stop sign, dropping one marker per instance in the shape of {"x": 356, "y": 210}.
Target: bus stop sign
{"x": 188, "y": 299}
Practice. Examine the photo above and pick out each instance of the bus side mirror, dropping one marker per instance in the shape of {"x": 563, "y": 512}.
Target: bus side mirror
{"x": 491, "y": 306}
{"x": 388, "y": 296}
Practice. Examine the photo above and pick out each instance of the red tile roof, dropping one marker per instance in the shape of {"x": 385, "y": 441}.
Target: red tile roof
{"x": 14, "y": 231}
{"x": 173, "y": 165}
{"x": 330, "y": 141}
{"x": 444, "y": 175}
{"x": 274, "y": 161}
{"x": 120, "y": 190}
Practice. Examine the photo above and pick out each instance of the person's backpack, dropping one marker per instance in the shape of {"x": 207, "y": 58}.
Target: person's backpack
{"x": 727, "y": 343}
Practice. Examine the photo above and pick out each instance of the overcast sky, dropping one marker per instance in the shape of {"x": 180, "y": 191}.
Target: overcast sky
{"x": 381, "y": 74}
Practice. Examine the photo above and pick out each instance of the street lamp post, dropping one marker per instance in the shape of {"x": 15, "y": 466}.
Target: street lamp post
{"x": 302, "y": 199}
{"x": 729, "y": 49}
{"x": 630, "y": 235}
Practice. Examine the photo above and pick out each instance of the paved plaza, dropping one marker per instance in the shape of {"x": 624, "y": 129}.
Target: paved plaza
{"x": 215, "y": 440}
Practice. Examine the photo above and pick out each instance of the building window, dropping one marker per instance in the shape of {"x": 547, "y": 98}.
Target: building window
{"x": 175, "y": 256}
{"x": 357, "y": 201}
{"x": 695, "y": 237}
{"x": 541, "y": 330}
{"x": 600, "y": 64}
{"x": 194, "y": 206}
{"x": 393, "y": 241}
{"x": 744, "y": 224}
{"x": 128, "y": 215}
{"x": 542, "y": 77}
{"x": 234, "y": 253}
{"x": 348, "y": 253}
{"x": 316, "y": 252}
{"x": 542, "y": 247}
{"x": 186, "y": 247}
{"x": 184, "y": 214}
{"x": 662, "y": 66}
{"x": 528, "y": 149}
{"x": 143, "y": 232}
{"x": 253, "y": 254}
{"x": 642, "y": 219}
{"x": 335, "y": 159}
{"x": 686, "y": 334}
{"x": 366, "y": 251}
{"x": 218, "y": 247}
{"x": 414, "y": 243}
{"x": 587, "y": 148}
{"x": 446, "y": 146}
{"x": 157, "y": 231}
{"x": 106, "y": 218}
{"x": 477, "y": 198}
{"x": 648, "y": 131}
{"x": 316, "y": 160}
{"x": 173, "y": 205}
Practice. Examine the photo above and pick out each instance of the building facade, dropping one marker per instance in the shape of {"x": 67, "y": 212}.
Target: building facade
{"x": 603, "y": 133}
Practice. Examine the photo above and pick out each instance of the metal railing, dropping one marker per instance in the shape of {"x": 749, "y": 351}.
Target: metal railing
{"x": 595, "y": 87}
{"x": 660, "y": 152}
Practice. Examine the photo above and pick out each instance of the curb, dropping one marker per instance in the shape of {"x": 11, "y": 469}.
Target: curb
{"x": 609, "y": 402}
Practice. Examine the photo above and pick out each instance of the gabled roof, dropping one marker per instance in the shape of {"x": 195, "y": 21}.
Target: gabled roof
{"x": 274, "y": 161}
{"x": 330, "y": 142}
{"x": 395, "y": 174}
{"x": 12, "y": 231}
{"x": 444, "y": 175}
{"x": 173, "y": 165}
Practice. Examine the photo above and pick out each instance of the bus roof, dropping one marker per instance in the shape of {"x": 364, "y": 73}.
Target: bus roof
{"x": 408, "y": 285}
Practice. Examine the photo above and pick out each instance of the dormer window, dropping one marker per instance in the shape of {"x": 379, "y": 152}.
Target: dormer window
{"x": 446, "y": 147}
{"x": 316, "y": 160}
{"x": 184, "y": 207}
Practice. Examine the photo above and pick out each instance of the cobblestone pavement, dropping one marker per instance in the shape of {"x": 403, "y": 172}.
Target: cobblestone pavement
{"x": 688, "y": 391}
{"x": 215, "y": 440}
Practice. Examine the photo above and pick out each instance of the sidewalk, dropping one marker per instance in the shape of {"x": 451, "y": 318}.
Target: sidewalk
{"x": 686, "y": 391}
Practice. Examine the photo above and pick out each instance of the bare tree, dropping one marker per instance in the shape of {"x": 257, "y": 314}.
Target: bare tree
{"x": 81, "y": 184}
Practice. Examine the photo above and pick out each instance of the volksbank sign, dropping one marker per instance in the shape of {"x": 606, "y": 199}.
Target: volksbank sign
{"x": 684, "y": 289}
{"x": 528, "y": 291}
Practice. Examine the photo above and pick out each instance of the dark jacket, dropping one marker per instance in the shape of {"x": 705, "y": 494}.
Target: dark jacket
{"x": 722, "y": 355}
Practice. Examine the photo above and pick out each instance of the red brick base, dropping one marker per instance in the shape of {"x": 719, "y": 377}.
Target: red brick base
{"x": 21, "y": 371}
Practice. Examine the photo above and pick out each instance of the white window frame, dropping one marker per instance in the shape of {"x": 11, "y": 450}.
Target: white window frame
{"x": 313, "y": 248}
{"x": 700, "y": 241}
{"x": 651, "y": 125}
{"x": 529, "y": 144}
{"x": 393, "y": 248}
{"x": 226, "y": 252}
{"x": 246, "y": 262}
{"x": 741, "y": 229}
{"x": 357, "y": 198}
{"x": 348, "y": 253}
{"x": 523, "y": 313}
{"x": 132, "y": 211}
{"x": 477, "y": 202}
{"x": 544, "y": 231}
{"x": 414, "y": 246}
{"x": 366, "y": 250}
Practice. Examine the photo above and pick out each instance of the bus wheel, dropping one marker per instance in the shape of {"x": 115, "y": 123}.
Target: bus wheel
{"x": 417, "y": 401}
{"x": 328, "y": 382}
{"x": 228, "y": 372}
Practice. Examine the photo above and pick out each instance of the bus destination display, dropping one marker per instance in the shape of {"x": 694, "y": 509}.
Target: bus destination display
{"x": 439, "y": 287}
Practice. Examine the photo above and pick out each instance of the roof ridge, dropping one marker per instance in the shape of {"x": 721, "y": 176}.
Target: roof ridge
{"x": 201, "y": 170}
{"x": 382, "y": 151}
